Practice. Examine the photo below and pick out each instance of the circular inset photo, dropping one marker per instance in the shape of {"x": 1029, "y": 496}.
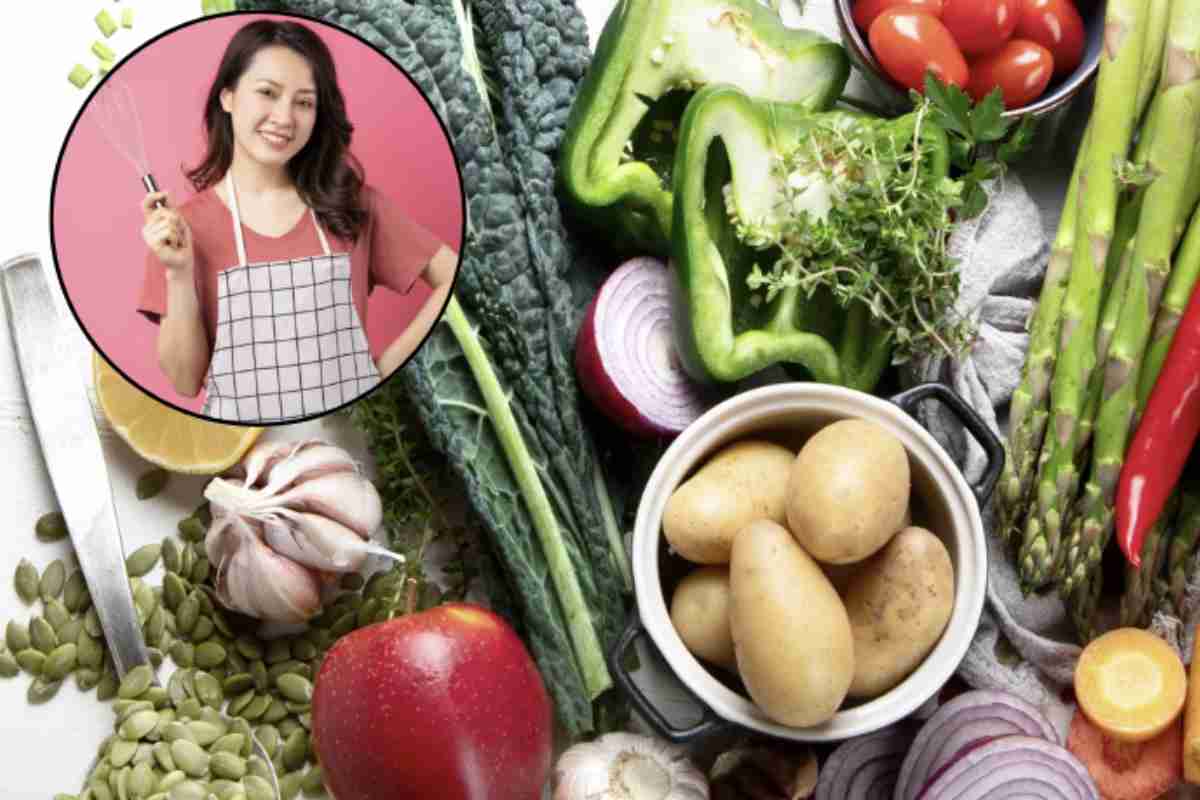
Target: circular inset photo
{"x": 257, "y": 218}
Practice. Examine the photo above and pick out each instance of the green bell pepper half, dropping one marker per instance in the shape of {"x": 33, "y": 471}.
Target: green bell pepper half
{"x": 730, "y": 143}
{"x": 617, "y": 151}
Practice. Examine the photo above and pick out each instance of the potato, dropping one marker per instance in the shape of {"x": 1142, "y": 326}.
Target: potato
{"x": 700, "y": 613}
{"x": 899, "y": 602}
{"x": 791, "y": 634}
{"x": 848, "y": 491}
{"x": 743, "y": 482}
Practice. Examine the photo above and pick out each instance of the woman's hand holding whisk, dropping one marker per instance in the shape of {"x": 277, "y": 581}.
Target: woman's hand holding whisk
{"x": 166, "y": 233}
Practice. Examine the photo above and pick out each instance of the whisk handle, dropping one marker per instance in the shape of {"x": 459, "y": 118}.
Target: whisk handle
{"x": 152, "y": 186}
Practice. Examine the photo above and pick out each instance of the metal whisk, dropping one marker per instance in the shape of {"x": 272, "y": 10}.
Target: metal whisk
{"x": 116, "y": 113}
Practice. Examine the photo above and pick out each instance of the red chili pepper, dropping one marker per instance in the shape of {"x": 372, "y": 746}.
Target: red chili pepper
{"x": 1164, "y": 437}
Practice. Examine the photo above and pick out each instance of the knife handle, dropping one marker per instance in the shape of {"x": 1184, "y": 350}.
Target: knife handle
{"x": 66, "y": 429}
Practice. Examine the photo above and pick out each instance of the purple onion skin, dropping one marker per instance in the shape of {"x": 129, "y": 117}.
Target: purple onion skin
{"x": 962, "y": 751}
{"x": 1023, "y": 766}
{"x": 1012, "y": 715}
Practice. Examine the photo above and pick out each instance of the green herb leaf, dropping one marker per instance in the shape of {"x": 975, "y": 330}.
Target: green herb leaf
{"x": 1019, "y": 141}
{"x": 951, "y": 106}
{"x": 987, "y": 121}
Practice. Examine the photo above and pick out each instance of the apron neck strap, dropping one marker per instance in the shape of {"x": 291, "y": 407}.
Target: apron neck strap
{"x": 231, "y": 190}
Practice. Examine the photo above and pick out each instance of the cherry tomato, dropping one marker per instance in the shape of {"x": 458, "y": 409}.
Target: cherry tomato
{"x": 1057, "y": 26}
{"x": 907, "y": 43}
{"x": 865, "y": 11}
{"x": 1021, "y": 69}
{"x": 980, "y": 26}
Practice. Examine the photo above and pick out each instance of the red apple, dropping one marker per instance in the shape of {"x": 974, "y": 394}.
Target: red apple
{"x": 444, "y": 704}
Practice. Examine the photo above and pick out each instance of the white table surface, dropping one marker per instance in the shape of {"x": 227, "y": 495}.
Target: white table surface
{"x": 46, "y": 748}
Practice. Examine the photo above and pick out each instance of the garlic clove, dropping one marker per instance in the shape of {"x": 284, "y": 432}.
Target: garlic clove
{"x": 319, "y": 542}
{"x": 346, "y": 497}
{"x": 306, "y": 464}
{"x": 266, "y": 454}
{"x": 627, "y": 766}
{"x": 257, "y": 581}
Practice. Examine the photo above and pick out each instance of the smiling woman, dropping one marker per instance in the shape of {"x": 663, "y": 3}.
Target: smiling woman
{"x": 259, "y": 282}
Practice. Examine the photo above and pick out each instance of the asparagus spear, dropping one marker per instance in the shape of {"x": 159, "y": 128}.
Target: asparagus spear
{"x": 1028, "y": 411}
{"x": 1183, "y": 544}
{"x": 1136, "y": 602}
{"x": 1115, "y": 109}
{"x": 1179, "y": 290}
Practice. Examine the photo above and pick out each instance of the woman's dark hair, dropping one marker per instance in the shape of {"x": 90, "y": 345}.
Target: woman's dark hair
{"x": 327, "y": 175}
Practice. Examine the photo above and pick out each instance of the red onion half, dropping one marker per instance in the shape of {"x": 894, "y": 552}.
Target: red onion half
{"x": 625, "y": 354}
{"x": 865, "y": 768}
{"x": 1012, "y": 767}
{"x": 958, "y": 726}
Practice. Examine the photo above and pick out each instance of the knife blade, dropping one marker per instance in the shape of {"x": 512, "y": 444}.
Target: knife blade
{"x": 66, "y": 430}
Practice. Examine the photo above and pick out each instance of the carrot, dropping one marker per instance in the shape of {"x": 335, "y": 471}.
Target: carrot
{"x": 1131, "y": 684}
{"x": 1191, "y": 721}
{"x": 1124, "y": 771}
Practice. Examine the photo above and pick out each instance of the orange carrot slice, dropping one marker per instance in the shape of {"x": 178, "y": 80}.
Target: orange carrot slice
{"x": 1128, "y": 771}
{"x": 1131, "y": 684}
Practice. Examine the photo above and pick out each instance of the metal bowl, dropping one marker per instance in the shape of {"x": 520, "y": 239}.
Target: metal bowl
{"x": 1058, "y": 94}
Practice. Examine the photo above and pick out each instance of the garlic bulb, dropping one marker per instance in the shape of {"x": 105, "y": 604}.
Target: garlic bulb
{"x": 299, "y": 509}
{"x": 627, "y": 766}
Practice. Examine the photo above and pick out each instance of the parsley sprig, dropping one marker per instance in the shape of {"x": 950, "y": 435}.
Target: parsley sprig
{"x": 982, "y": 141}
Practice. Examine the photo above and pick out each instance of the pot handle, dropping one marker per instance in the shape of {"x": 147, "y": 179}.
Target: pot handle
{"x": 970, "y": 420}
{"x": 710, "y": 723}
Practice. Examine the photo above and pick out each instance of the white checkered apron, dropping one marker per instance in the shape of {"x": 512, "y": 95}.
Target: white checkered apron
{"x": 289, "y": 341}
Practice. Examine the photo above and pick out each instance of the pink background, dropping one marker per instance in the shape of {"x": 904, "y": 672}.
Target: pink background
{"x": 97, "y": 216}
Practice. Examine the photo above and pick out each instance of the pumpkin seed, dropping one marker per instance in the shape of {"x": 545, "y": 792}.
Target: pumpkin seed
{"x": 156, "y": 626}
{"x": 200, "y": 569}
{"x": 304, "y": 650}
{"x": 291, "y": 667}
{"x": 275, "y": 712}
{"x": 144, "y": 754}
{"x": 223, "y": 788}
{"x": 295, "y": 751}
{"x": 344, "y": 625}
{"x": 70, "y": 630}
{"x": 100, "y": 791}
{"x": 56, "y": 614}
{"x": 107, "y": 688}
{"x": 366, "y": 613}
{"x": 289, "y": 785}
{"x": 202, "y": 630}
{"x": 268, "y": 737}
{"x": 42, "y": 634}
{"x": 138, "y": 725}
{"x": 170, "y": 555}
{"x": 156, "y": 656}
{"x": 229, "y": 743}
{"x": 165, "y": 717}
{"x": 16, "y": 636}
{"x": 144, "y": 599}
{"x": 32, "y": 661}
{"x": 205, "y": 732}
{"x": 87, "y": 679}
{"x": 187, "y": 613}
{"x": 183, "y": 653}
{"x": 258, "y": 671}
{"x": 257, "y": 788}
{"x": 141, "y": 781}
{"x": 314, "y": 781}
{"x": 73, "y": 591}
{"x": 51, "y": 527}
{"x": 162, "y": 757}
{"x": 256, "y": 708}
{"x": 192, "y": 529}
{"x": 237, "y": 683}
{"x": 124, "y": 708}
{"x": 190, "y": 758}
{"x": 8, "y": 665}
{"x": 136, "y": 682}
{"x": 178, "y": 730}
{"x": 278, "y": 650}
{"x": 91, "y": 624}
{"x": 209, "y": 654}
{"x": 248, "y": 647}
{"x": 188, "y": 790}
{"x": 208, "y": 690}
{"x": 120, "y": 783}
{"x": 158, "y": 696}
{"x": 218, "y": 672}
{"x": 294, "y": 687}
{"x": 26, "y": 581}
{"x": 60, "y": 662}
{"x": 289, "y": 726}
{"x": 174, "y": 776}
{"x": 50, "y": 585}
{"x": 297, "y": 708}
{"x": 175, "y": 688}
{"x": 121, "y": 752}
{"x": 239, "y": 703}
{"x": 227, "y": 765}
{"x": 151, "y": 482}
{"x": 190, "y": 708}
{"x": 41, "y": 690}
{"x": 174, "y": 590}
{"x": 206, "y": 604}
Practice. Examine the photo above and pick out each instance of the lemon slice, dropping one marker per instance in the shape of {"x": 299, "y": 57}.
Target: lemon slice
{"x": 158, "y": 433}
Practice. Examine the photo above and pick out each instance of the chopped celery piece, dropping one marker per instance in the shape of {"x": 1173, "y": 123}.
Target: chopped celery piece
{"x": 105, "y": 23}
{"x": 103, "y": 51}
{"x": 80, "y": 75}
{"x": 127, "y": 17}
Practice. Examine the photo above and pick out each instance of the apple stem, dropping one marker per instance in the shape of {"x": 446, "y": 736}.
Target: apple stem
{"x": 410, "y": 603}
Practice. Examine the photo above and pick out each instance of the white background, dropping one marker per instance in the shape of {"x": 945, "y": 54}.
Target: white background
{"x": 46, "y": 749}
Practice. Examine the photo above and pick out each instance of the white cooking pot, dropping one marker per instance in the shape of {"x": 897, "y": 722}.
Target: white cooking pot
{"x": 942, "y": 500}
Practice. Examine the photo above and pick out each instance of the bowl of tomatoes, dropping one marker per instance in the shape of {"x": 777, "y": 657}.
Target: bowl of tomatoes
{"x": 1039, "y": 53}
